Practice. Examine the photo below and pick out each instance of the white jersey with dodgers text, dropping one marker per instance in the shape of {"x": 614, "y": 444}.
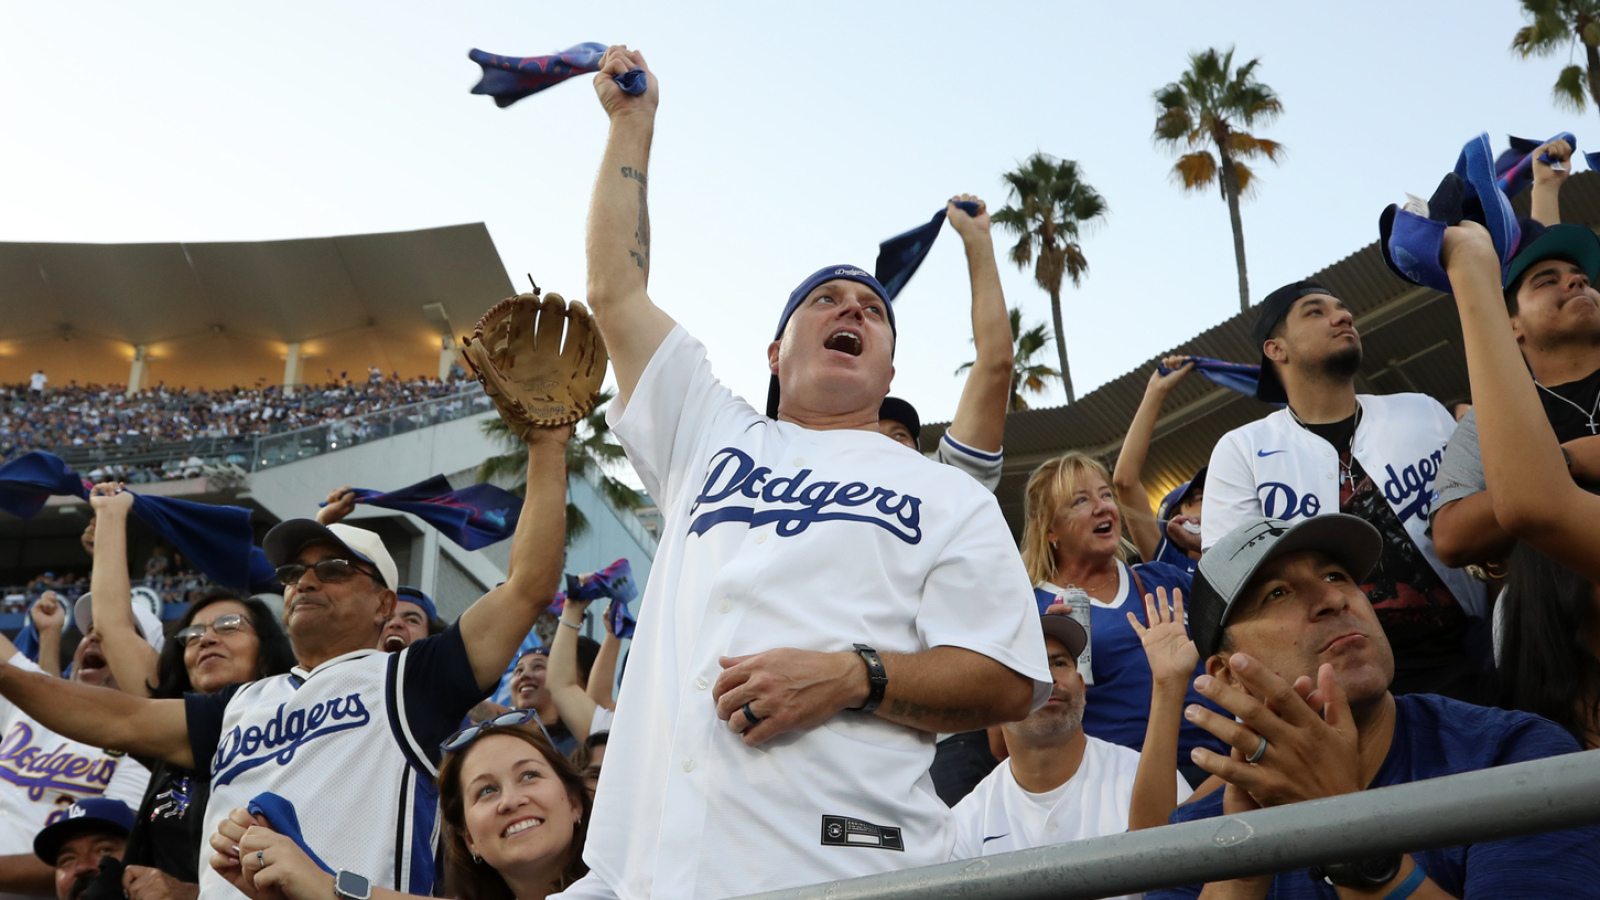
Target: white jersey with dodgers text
{"x": 1277, "y": 468}
{"x": 352, "y": 745}
{"x": 42, "y": 774}
{"x": 779, "y": 536}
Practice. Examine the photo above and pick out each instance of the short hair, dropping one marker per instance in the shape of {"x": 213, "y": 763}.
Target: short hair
{"x": 583, "y": 754}
{"x": 588, "y": 652}
{"x": 1512, "y": 306}
{"x": 274, "y": 653}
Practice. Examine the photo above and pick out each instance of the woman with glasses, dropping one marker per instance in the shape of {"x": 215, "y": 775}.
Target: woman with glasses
{"x": 221, "y": 639}
{"x": 515, "y": 813}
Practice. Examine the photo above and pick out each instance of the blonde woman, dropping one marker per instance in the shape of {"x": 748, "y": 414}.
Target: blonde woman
{"x": 1073, "y": 540}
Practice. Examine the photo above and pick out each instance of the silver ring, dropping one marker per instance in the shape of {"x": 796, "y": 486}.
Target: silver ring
{"x": 754, "y": 719}
{"x": 1261, "y": 750}
{"x": 261, "y": 858}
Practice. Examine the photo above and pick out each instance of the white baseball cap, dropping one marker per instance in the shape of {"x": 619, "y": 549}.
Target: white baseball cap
{"x": 286, "y": 539}
{"x": 147, "y": 623}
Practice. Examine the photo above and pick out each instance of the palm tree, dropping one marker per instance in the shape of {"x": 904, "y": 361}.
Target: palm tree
{"x": 1027, "y": 376}
{"x": 1206, "y": 109}
{"x": 590, "y": 452}
{"x": 1565, "y": 23}
{"x": 1051, "y": 203}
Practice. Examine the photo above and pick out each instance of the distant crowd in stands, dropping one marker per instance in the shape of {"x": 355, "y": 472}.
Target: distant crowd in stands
{"x": 169, "y": 575}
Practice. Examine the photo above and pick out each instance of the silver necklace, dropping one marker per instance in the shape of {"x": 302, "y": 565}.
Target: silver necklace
{"x": 1594, "y": 427}
{"x": 1345, "y": 468}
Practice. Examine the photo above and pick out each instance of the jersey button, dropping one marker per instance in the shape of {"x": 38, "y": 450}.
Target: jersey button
{"x": 726, "y": 607}
{"x": 688, "y": 765}
{"x": 701, "y": 683}
{"x": 761, "y": 537}
{"x": 799, "y": 460}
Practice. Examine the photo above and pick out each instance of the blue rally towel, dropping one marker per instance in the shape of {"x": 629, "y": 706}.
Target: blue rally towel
{"x": 1233, "y": 376}
{"x": 899, "y": 256}
{"x": 280, "y": 814}
{"x": 510, "y": 78}
{"x": 502, "y": 693}
{"x": 474, "y": 517}
{"x": 1513, "y": 169}
{"x": 614, "y": 582}
{"x": 32, "y": 478}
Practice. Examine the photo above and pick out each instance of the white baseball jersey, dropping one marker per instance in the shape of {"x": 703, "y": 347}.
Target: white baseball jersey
{"x": 999, "y": 816}
{"x": 353, "y": 745}
{"x": 1277, "y": 468}
{"x": 980, "y": 464}
{"x": 778, "y": 536}
{"x": 42, "y": 774}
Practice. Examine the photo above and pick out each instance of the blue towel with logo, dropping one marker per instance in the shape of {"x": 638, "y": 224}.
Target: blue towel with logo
{"x": 474, "y": 517}
{"x": 1513, "y": 169}
{"x": 1239, "y": 377}
{"x": 510, "y": 78}
{"x": 900, "y": 256}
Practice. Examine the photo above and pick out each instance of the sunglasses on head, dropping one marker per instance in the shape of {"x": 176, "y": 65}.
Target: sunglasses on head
{"x": 505, "y": 720}
{"x": 328, "y": 571}
{"x": 222, "y": 625}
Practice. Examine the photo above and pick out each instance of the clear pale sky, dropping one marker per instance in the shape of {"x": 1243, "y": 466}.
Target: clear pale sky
{"x": 789, "y": 137}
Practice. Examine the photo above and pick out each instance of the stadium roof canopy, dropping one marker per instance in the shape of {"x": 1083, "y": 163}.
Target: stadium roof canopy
{"x": 218, "y": 314}
{"x": 1411, "y": 338}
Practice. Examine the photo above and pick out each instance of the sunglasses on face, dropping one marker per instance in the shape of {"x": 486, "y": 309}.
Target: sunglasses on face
{"x": 222, "y": 625}
{"x": 505, "y": 720}
{"x": 328, "y": 571}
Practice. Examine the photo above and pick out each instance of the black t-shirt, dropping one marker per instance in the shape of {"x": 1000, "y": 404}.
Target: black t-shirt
{"x": 170, "y": 828}
{"x": 1426, "y": 627}
{"x": 1571, "y": 420}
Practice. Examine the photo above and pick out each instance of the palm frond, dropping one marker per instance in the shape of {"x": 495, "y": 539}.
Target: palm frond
{"x": 1195, "y": 171}
{"x": 1571, "y": 89}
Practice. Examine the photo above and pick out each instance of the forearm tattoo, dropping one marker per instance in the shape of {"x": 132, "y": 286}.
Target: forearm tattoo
{"x": 641, "y": 257}
{"x": 953, "y": 716}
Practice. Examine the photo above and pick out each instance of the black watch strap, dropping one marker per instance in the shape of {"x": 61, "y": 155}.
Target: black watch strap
{"x": 877, "y": 678}
{"x": 1365, "y": 873}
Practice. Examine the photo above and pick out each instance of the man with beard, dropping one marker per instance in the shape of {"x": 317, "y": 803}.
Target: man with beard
{"x": 42, "y": 774}
{"x": 85, "y": 848}
{"x": 1332, "y": 451}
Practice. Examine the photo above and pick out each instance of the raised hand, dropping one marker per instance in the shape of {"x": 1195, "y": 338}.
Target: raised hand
{"x": 619, "y": 60}
{"x": 49, "y": 616}
{"x": 1166, "y": 641}
{"x": 1181, "y": 366}
{"x": 968, "y": 227}
{"x": 112, "y": 496}
{"x": 341, "y": 502}
{"x": 1545, "y": 173}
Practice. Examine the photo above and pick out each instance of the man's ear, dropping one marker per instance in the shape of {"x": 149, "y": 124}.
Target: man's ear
{"x": 1217, "y": 667}
{"x": 1516, "y": 330}
{"x": 1274, "y": 350}
{"x": 386, "y": 603}
{"x": 772, "y": 356}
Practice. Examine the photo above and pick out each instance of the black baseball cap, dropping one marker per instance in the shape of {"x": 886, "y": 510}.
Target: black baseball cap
{"x": 91, "y": 814}
{"x": 1271, "y": 311}
{"x": 1232, "y": 562}
{"x": 896, "y": 410}
{"x": 1574, "y": 243}
{"x": 1067, "y": 630}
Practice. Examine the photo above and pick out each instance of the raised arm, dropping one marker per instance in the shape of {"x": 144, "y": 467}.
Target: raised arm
{"x": 1172, "y": 657}
{"x": 100, "y": 717}
{"x": 603, "y": 674}
{"x": 132, "y": 660}
{"x": 574, "y": 704}
{"x": 980, "y": 420}
{"x": 619, "y": 225}
{"x": 494, "y": 627}
{"x": 49, "y": 619}
{"x": 1534, "y": 496}
{"x": 1128, "y": 476}
{"x": 1545, "y": 206}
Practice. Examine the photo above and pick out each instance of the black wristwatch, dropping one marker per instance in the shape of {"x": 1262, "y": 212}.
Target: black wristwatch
{"x": 877, "y": 678}
{"x": 1366, "y": 873}
{"x": 350, "y": 886}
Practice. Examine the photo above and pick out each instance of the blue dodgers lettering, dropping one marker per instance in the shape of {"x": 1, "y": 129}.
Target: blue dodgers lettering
{"x": 1279, "y": 501}
{"x": 40, "y": 771}
{"x": 795, "y": 502}
{"x": 282, "y": 736}
{"x": 1414, "y": 481}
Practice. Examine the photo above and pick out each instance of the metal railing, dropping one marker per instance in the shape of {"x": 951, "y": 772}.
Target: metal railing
{"x": 1491, "y": 804}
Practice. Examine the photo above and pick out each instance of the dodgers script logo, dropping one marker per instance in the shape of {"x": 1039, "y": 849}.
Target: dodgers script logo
{"x": 31, "y": 767}
{"x": 282, "y": 736}
{"x": 795, "y": 502}
{"x": 1409, "y": 491}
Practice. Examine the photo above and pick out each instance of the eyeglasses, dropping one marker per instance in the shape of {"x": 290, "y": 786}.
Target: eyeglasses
{"x": 328, "y": 571}
{"x": 505, "y": 720}
{"x": 222, "y": 625}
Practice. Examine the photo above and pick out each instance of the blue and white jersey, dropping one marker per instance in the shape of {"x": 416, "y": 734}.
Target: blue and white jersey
{"x": 353, "y": 744}
{"x": 781, "y": 536}
{"x": 980, "y": 464}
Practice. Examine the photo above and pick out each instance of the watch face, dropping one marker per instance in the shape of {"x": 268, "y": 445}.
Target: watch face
{"x": 349, "y": 884}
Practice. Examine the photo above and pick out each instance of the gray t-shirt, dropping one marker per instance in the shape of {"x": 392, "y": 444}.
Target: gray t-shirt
{"x": 1461, "y": 468}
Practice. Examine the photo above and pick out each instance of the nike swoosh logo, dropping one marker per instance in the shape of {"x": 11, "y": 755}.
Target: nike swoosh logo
{"x": 996, "y": 837}
{"x": 1269, "y": 452}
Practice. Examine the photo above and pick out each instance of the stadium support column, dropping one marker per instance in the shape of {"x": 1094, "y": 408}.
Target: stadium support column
{"x": 291, "y": 369}
{"x": 447, "y": 356}
{"x": 139, "y": 371}
{"x": 428, "y": 577}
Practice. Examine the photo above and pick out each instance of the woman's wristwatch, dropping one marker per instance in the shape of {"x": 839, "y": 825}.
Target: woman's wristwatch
{"x": 350, "y": 886}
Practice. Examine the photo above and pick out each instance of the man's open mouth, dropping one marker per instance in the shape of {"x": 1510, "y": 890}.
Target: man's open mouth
{"x": 394, "y": 642}
{"x": 844, "y": 342}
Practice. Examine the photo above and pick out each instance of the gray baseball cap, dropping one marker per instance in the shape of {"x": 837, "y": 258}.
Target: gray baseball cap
{"x": 1232, "y": 562}
{"x": 1067, "y": 630}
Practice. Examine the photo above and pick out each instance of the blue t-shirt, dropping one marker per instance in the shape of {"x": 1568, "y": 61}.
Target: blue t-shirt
{"x": 1168, "y": 552}
{"x": 1436, "y": 736}
{"x": 1118, "y": 704}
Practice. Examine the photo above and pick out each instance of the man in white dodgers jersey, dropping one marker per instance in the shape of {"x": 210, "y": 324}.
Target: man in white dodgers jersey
{"x": 350, "y": 737}
{"x": 42, "y": 773}
{"x": 823, "y": 601}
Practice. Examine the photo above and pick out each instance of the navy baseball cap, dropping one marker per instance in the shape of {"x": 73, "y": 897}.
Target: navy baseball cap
{"x": 815, "y": 279}
{"x": 1574, "y": 243}
{"x": 1067, "y": 630}
{"x": 91, "y": 814}
{"x": 896, "y": 410}
{"x": 1227, "y": 569}
{"x": 1271, "y": 311}
{"x": 1176, "y": 497}
{"x": 415, "y": 595}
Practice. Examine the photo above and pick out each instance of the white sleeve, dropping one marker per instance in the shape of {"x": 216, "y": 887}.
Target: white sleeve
{"x": 985, "y": 467}
{"x": 602, "y": 720}
{"x": 128, "y": 782}
{"x": 1230, "y": 491}
{"x": 667, "y": 417}
{"x": 978, "y": 597}
{"x": 967, "y": 813}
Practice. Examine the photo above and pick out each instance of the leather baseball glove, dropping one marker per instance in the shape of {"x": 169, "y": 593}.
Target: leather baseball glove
{"x": 534, "y": 380}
